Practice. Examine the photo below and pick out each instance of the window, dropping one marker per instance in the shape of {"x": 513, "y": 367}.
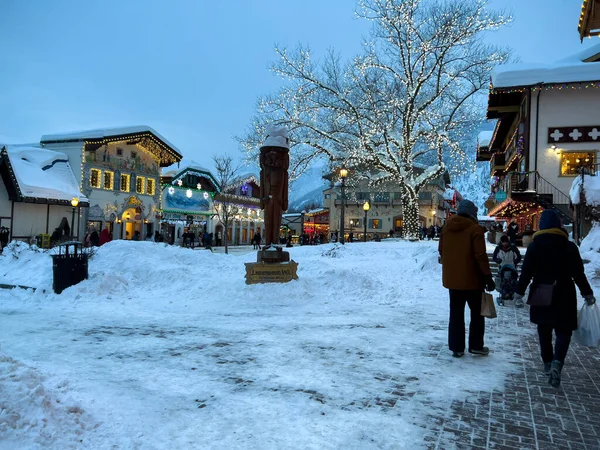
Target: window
{"x": 397, "y": 195}
{"x": 382, "y": 197}
{"x": 375, "y": 223}
{"x": 109, "y": 180}
{"x": 95, "y": 178}
{"x": 425, "y": 195}
{"x": 119, "y": 152}
{"x": 133, "y": 155}
{"x": 572, "y": 162}
{"x": 150, "y": 186}
{"x": 327, "y": 196}
{"x": 362, "y": 196}
{"x": 125, "y": 182}
{"x": 140, "y": 185}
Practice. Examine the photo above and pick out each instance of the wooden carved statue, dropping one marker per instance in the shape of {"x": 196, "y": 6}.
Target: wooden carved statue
{"x": 274, "y": 165}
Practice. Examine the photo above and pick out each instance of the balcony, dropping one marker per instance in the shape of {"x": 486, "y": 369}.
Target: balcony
{"x": 497, "y": 163}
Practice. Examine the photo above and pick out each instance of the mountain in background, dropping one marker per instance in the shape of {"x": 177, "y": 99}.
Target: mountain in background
{"x": 307, "y": 191}
{"x": 475, "y": 185}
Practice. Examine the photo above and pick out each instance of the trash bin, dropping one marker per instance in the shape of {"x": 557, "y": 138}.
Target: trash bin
{"x": 69, "y": 266}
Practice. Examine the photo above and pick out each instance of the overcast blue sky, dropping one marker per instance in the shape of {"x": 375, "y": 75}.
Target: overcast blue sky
{"x": 192, "y": 69}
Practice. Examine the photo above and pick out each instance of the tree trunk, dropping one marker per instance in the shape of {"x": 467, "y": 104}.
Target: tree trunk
{"x": 410, "y": 214}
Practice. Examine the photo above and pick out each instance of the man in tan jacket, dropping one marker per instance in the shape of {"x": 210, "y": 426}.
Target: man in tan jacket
{"x": 465, "y": 273}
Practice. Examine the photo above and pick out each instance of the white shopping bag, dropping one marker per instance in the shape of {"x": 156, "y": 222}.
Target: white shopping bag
{"x": 588, "y": 327}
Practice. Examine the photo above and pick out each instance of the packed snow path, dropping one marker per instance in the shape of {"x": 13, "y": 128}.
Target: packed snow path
{"x": 165, "y": 347}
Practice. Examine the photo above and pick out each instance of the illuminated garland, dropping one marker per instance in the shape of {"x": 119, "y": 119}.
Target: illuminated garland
{"x": 545, "y": 87}
{"x": 162, "y": 153}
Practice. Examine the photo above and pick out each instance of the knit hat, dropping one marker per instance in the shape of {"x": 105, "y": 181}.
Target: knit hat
{"x": 467, "y": 208}
{"x": 549, "y": 219}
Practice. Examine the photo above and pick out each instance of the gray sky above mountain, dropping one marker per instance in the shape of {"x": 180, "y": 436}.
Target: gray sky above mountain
{"x": 192, "y": 70}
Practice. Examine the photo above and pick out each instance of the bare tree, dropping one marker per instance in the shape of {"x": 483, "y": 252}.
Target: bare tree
{"x": 226, "y": 177}
{"x": 398, "y": 113}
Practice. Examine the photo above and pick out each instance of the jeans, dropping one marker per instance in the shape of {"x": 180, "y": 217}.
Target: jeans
{"x": 456, "y": 328}
{"x": 561, "y": 346}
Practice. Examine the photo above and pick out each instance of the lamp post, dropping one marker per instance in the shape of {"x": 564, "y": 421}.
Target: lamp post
{"x": 366, "y": 208}
{"x": 74, "y": 203}
{"x": 343, "y": 175}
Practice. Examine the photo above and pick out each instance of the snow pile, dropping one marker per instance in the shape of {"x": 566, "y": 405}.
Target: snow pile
{"x": 33, "y": 416}
{"x": 167, "y": 347}
{"x": 484, "y": 138}
{"x": 591, "y": 189}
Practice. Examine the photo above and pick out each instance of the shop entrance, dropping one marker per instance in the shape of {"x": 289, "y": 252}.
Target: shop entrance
{"x": 132, "y": 221}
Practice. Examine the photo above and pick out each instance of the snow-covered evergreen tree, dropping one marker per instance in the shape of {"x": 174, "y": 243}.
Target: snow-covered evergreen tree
{"x": 411, "y": 97}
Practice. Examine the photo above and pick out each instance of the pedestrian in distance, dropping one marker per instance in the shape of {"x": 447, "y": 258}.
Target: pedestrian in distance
{"x": 512, "y": 231}
{"x": 507, "y": 256}
{"x": 105, "y": 236}
{"x": 465, "y": 273}
{"x": 551, "y": 259}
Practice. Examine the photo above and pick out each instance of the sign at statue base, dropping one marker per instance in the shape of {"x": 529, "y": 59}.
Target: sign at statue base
{"x": 261, "y": 272}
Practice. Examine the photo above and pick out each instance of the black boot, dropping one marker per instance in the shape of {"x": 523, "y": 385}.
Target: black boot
{"x": 555, "y": 370}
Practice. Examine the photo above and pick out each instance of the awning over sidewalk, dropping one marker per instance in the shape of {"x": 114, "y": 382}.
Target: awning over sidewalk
{"x": 515, "y": 208}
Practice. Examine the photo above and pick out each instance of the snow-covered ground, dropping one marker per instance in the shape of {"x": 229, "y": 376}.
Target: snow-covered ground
{"x": 165, "y": 347}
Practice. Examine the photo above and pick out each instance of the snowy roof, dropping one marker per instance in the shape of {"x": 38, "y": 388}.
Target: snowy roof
{"x": 484, "y": 138}
{"x": 101, "y": 133}
{"x": 43, "y": 174}
{"x": 449, "y": 194}
{"x": 569, "y": 70}
{"x": 184, "y": 164}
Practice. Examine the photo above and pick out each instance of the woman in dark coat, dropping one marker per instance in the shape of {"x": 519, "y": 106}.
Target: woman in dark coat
{"x": 552, "y": 258}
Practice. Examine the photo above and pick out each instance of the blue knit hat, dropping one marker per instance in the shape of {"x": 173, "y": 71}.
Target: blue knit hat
{"x": 467, "y": 208}
{"x": 549, "y": 219}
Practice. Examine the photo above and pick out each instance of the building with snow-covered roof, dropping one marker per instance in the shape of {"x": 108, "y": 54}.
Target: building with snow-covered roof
{"x": 36, "y": 193}
{"x": 118, "y": 170}
{"x": 385, "y": 212}
{"x": 547, "y": 130}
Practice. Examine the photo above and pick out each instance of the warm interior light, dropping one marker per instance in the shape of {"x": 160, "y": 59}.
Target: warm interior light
{"x": 74, "y": 202}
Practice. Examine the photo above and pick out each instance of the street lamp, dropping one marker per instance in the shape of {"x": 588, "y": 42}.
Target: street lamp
{"x": 343, "y": 175}
{"x": 74, "y": 203}
{"x": 366, "y": 208}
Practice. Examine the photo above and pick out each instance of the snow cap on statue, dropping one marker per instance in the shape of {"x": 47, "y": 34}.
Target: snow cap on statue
{"x": 277, "y": 136}
{"x": 549, "y": 219}
{"x": 467, "y": 208}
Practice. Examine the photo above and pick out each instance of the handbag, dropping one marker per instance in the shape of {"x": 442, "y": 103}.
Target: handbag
{"x": 541, "y": 295}
{"x": 488, "y": 309}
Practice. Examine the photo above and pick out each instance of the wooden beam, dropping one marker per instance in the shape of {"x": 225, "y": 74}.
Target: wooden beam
{"x": 505, "y": 109}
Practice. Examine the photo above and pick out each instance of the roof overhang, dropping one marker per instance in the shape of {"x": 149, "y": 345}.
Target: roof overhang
{"x": 589, "y": 20}
{"x": 514, "y": 208}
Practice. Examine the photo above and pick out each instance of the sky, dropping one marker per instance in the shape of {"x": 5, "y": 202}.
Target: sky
{"x": 193, "y": 70}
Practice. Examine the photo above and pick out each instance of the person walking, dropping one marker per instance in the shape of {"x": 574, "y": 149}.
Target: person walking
{"x": 507, "y": 256}
{"x": 512, "y": 231}
{"x": 465, "y": 273}
{"x": 554, "y": 260}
